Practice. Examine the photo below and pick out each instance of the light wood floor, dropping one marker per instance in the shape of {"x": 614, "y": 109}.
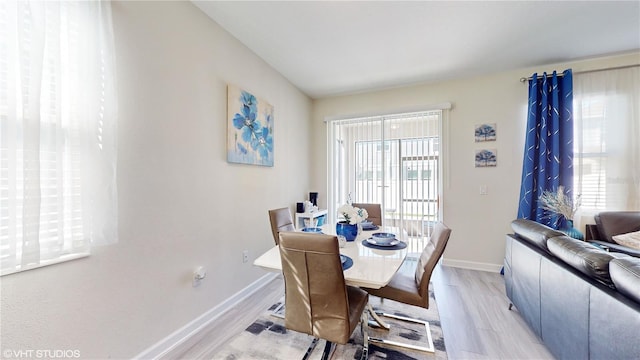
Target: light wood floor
{"x": 476, "y": 321}
{"x": 473, "y": 312}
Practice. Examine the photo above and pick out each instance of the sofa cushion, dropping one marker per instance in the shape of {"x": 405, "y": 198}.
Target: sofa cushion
{"x": 534, "y": 232}
{"x": 631, "y": 240}
{"x": 625, "y": 274}
{"x": 610, "y": 223}
{"x": 582, "y": 256}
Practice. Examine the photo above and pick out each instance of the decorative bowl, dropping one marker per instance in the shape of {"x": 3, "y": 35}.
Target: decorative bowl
{"x": 312, "y": 230}
{"x": 383, "y": 238}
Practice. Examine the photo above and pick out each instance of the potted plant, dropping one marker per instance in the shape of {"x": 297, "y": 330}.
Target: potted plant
{"x": 563, "y": 205}
{"x": 349, "y": 218}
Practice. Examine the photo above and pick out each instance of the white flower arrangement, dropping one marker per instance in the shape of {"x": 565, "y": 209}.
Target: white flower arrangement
{"x": 558, "y": 202}
{"x": 351, "y": 214}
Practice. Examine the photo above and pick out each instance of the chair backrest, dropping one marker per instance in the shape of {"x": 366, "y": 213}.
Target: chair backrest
{"x": 281, "y": 220}
{"x": 429, "y": 259}
{"x": 315, "y": 290}
{"x": 374, "y": 211}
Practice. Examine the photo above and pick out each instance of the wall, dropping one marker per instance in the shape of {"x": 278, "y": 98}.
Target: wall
{"x": 478, "y": 222}
{"x": 181, "y": 204}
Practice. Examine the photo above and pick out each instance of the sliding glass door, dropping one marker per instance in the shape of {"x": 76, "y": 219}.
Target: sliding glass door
{"x": 390, "y": 160}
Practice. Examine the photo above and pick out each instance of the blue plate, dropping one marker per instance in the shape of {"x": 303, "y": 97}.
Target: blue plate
{"x": 346, "y": 261}
{"x": 372, "y": 241}
{"x": 316, "y": 230}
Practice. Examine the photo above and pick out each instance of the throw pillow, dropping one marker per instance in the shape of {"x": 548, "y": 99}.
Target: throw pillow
{"x": 631, "y": 240}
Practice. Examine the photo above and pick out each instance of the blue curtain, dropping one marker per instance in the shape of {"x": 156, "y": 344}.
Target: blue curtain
{"x": 548, "y": 150}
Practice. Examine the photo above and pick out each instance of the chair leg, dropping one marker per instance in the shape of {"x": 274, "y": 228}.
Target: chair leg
{"x": 430, "y": 348}
{"x": 328, "y": 348}
{"x": 378, "y": 321}
{"x": 310, "y": 348}
{"x": 365, "y": 335}
{"x": 279, "y": 311}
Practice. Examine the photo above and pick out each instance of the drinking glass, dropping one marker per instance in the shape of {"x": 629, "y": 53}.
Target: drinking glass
{"x": 310, "y": 223}
{"x": 342, "y": 241}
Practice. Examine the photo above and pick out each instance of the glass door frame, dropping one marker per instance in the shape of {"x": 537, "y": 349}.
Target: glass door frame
{"x": 337, "y": 181}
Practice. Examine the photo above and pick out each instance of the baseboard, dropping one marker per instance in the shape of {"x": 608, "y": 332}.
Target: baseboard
{"x": 472, "y": 265}
{"x": 181, "y": 335}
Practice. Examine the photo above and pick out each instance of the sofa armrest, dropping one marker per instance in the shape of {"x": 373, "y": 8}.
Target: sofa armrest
{"x": 613, "y": 247}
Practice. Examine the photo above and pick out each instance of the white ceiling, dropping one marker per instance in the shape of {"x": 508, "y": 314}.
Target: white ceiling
{"x": 328, "y": 48}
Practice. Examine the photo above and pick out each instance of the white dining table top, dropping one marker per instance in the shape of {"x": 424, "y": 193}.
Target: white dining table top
{"x": 372, "y": 268}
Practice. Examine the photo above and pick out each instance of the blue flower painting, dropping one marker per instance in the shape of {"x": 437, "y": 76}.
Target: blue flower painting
{"x": 250, "y": 128}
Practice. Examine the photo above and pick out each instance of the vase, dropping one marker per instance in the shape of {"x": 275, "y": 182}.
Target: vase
{"x": 350, "y": 232}
{"x": 571, "y": 231}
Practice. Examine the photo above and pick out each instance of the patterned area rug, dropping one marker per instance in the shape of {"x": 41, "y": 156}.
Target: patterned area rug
{"x": 267, "y": 337}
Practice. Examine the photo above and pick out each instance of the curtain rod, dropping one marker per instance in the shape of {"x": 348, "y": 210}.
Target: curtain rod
{"x": 524, "y": 79}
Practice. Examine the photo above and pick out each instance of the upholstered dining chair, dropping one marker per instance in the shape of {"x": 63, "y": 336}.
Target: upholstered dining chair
{"x": 281, "y": 220}
{"x": 413, "y": 289}
{"x": 319, "y": 303}
{"x": 374, "y": 211}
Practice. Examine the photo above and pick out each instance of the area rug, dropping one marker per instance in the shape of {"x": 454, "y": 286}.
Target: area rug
{"x": 267, "y": 337}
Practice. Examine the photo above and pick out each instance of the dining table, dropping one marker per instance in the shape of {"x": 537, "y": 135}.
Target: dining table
{"x": 373, "y": 266}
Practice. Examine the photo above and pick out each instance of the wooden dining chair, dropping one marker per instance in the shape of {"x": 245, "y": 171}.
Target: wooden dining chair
{"x": 374, "y": 211}
{"x": 319, "y": 303}
{"x": 413, "y": 289}
{"x": 281, "y": 220}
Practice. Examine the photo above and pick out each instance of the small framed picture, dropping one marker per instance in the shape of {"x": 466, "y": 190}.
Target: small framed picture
{"x": 486, "y": 158}
{"x": 485, "y": 132}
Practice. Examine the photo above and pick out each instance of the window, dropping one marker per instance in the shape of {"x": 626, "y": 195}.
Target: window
{"x": 57, "y": 139}
{"x": 606, "y": 133}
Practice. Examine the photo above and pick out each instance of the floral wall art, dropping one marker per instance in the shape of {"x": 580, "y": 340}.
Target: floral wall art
{"x": 250, "y": 128}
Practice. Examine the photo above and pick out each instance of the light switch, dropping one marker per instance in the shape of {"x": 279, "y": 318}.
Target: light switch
{"x": 483, "y": 190}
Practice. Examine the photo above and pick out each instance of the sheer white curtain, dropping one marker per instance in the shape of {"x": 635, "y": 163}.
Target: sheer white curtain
{"x": 58, "y": 131}
{"x": 607, "y": 140}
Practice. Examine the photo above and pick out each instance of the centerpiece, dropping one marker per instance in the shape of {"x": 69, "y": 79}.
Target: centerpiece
{"x": 563, "y": 205}
{"x": 351, "y": 216}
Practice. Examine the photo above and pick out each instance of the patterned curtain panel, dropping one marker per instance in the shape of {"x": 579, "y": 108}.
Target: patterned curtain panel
{"x": 548, "y": 151}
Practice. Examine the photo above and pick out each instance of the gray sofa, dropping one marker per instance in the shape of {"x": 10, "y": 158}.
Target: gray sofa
{"x": 582, "y": 302}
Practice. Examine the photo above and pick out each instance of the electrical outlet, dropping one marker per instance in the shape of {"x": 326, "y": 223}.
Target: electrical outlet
{"x": 245, "y": 256}
{"x": 198, "y": 275}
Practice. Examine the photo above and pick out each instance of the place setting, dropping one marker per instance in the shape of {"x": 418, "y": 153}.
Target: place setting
{"x": 346, "y": 262}
{"x": 315, "y": 230}
{"x": 369, "y": 226}
{"x": 383, "y": 241}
